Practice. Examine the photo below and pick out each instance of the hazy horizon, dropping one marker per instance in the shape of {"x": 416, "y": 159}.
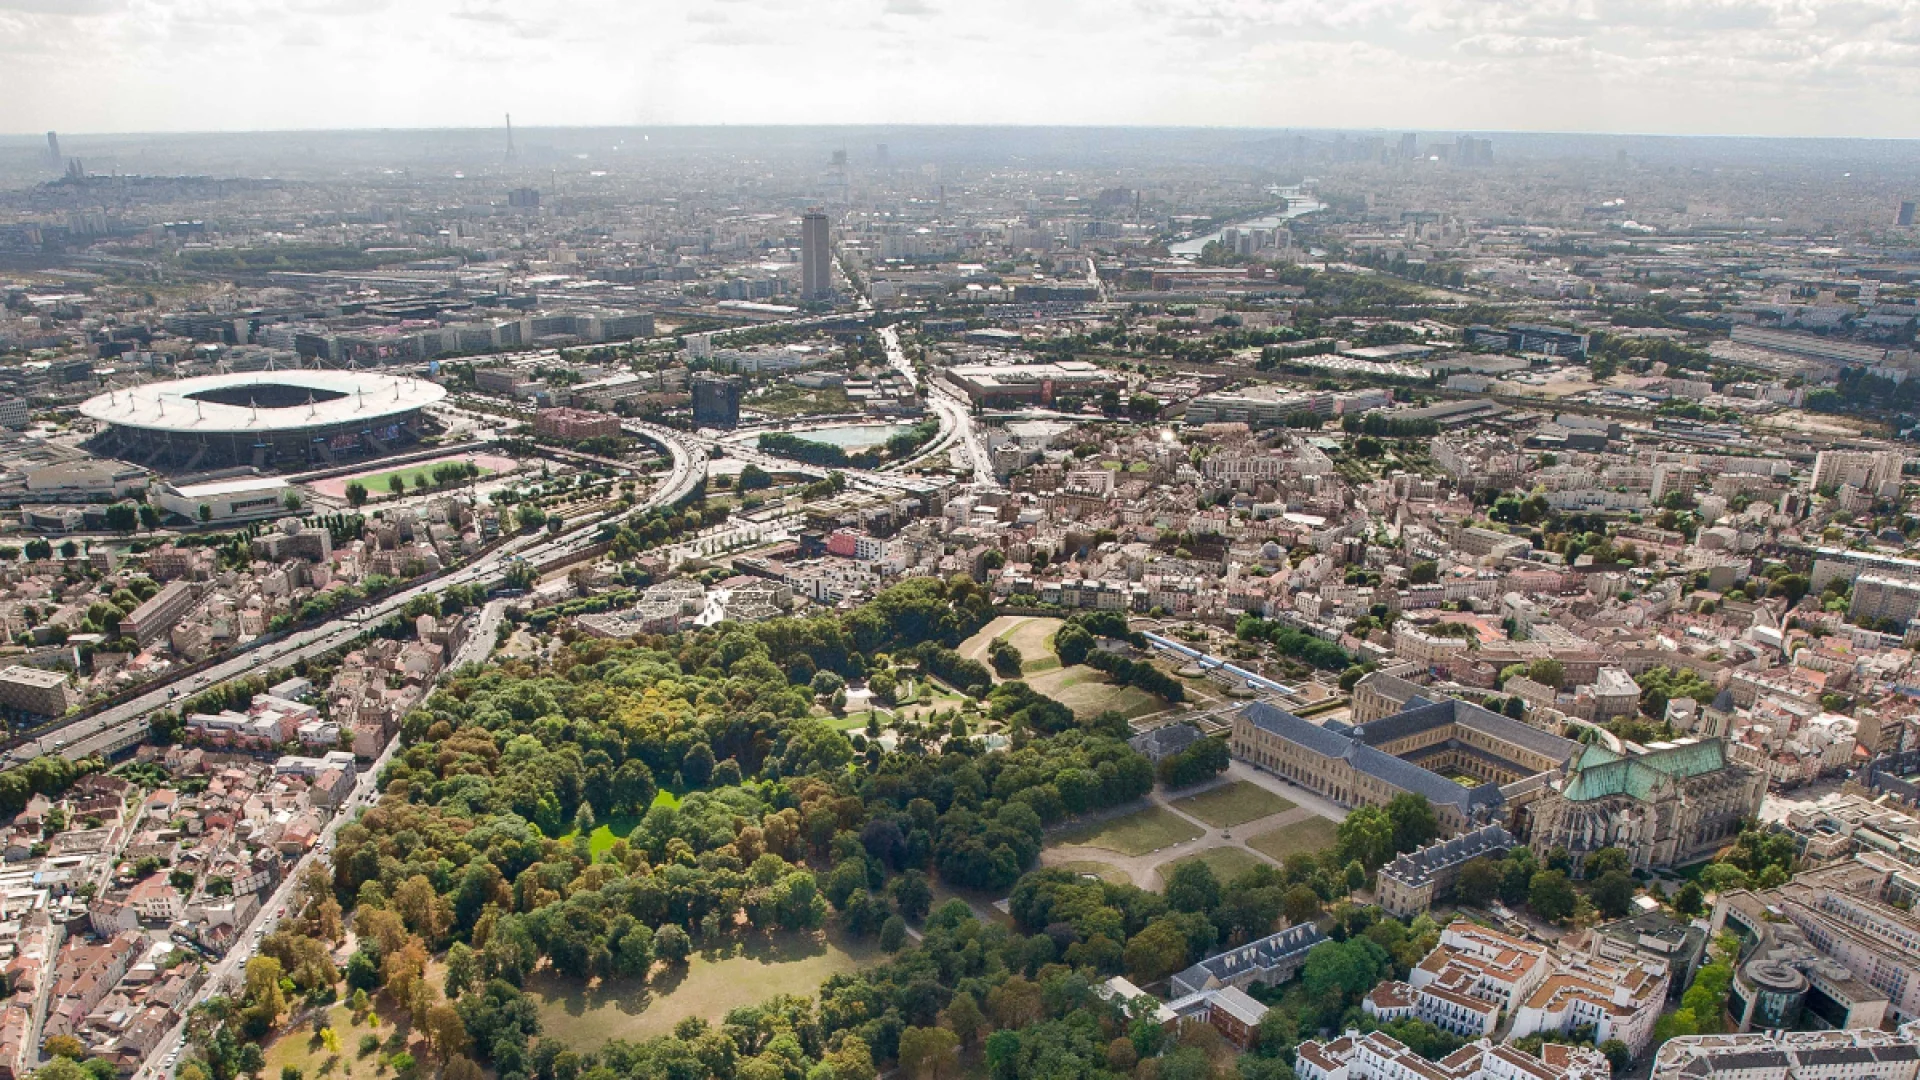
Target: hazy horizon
{"x": 1770, "y": 68}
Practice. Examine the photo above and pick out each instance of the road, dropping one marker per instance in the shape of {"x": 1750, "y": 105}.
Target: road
{"x": 897, "y": 356}
{"x": 967, "y": 431}
{"x": 129, "y": 720}
{"x": 225, "y": 975}
{"x": 115, "y": 729}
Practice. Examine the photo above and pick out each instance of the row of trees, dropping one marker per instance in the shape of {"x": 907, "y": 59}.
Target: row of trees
{"x": 1138, "y": 674}
{"x": 1293, "y": 642}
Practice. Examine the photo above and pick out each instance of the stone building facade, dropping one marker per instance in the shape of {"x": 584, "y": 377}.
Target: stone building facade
{"x": 1672, "y": 804}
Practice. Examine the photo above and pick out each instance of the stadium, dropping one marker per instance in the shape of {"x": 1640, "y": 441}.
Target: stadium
{"x": 266, "y": 419}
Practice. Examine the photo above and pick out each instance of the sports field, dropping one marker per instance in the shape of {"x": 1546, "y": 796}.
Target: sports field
{"x": 415, "y": 475}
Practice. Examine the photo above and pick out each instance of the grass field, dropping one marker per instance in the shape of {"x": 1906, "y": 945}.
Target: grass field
{"x": 1111, "y": 874}
{"x": 417, "y": 476}
{"x": 299, "y": 1048}
{"x": 586, "y": 1016}
{"x": 1087, "y": 692}
{"x": 1226, "y": 862}
{"x": 1310, "y": 835}
{"x": 1032, "y": 635}
{"x": 376, "y": 482}
{"x": 1132, "y": 834}
{"x": 1231, "y": 804}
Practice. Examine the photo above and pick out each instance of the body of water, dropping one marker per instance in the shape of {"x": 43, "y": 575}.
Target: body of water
{"x": 855, "y": 436}
{"x": 1296, "y": 206}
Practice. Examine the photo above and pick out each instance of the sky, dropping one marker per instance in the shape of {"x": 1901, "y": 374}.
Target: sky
{"x": 1746, "y": 67}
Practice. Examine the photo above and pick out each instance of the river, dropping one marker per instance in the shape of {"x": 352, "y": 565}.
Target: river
{"x": 1297, "y": 205}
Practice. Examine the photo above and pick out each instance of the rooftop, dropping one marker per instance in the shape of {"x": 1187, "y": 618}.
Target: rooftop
{"x": 258, "y": 402}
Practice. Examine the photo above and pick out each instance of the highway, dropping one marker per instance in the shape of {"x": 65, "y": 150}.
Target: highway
{"x": 124, "y": 725}
{"x": 897, "y": 356}
{"x": 224, "y": 976}
{"x": 957, "y": 411}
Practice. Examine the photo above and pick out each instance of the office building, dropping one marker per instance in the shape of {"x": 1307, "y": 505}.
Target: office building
{"x": 716, "y": 401}
{"x": 1530, "y": 338}
{"x": 32, "y": 690}
{"x": 1904, "y": 215}
{"x": 1856, "y": 1054}
{"x": 1832, "y": 943}
{"x": 1027, "y": 384}
{"x": 524, "y": 198}
{"x": 816, "y": 257}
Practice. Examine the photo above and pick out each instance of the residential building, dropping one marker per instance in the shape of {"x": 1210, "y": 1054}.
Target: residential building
{"x": 1379, "y": 1056}
{"x": 35, "y": 690}
{"x": 1412, "y": 882}
{"x": 157, "y": 615}
{"x": 1848, "y": 1054}
{"x": 1271, "y": 960}
{"x": 573, "y": 425}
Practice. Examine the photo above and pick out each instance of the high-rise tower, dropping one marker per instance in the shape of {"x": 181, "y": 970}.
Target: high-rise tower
{"x": 816, "y": 257}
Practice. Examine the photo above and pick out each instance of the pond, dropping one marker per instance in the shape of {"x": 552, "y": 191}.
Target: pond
{"x": 854, "y": 436}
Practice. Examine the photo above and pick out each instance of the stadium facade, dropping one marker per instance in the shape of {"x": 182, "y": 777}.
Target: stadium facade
{"x": 265, "y": 419}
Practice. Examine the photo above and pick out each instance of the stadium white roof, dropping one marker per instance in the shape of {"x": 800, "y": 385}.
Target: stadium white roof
{"x": 350, "y": 396}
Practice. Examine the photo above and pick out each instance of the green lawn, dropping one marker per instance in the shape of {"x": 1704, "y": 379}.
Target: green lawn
{"x": 1226, "y": 862}
{"x": 1231, "y": 804}
{"x": 1031, "y": 634}
{"x": 584, "y": 1016}
{"x": 417, "y": 477}
{"x": 1088, "y": 693}
{"x": 1104, "y": 872}
{"x": 299, "y": 1048}
{"x": 1310, "y": 835}
{"x": 616, "y": 828}
{"x": 1132, "y": 834}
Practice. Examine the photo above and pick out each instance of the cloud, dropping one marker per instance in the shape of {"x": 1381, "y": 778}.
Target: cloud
{"x": 64, "y": 7}
{"x": 1783, "y": 66}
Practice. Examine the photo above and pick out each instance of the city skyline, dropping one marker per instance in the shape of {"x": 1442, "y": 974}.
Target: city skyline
{"x": 1750, "y": 67}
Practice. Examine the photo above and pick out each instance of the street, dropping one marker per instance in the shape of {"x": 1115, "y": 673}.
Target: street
{"x": 224, "y": 975}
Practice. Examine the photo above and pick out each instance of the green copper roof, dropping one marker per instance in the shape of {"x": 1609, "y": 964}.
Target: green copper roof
{"x": 1599, "y": 773}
